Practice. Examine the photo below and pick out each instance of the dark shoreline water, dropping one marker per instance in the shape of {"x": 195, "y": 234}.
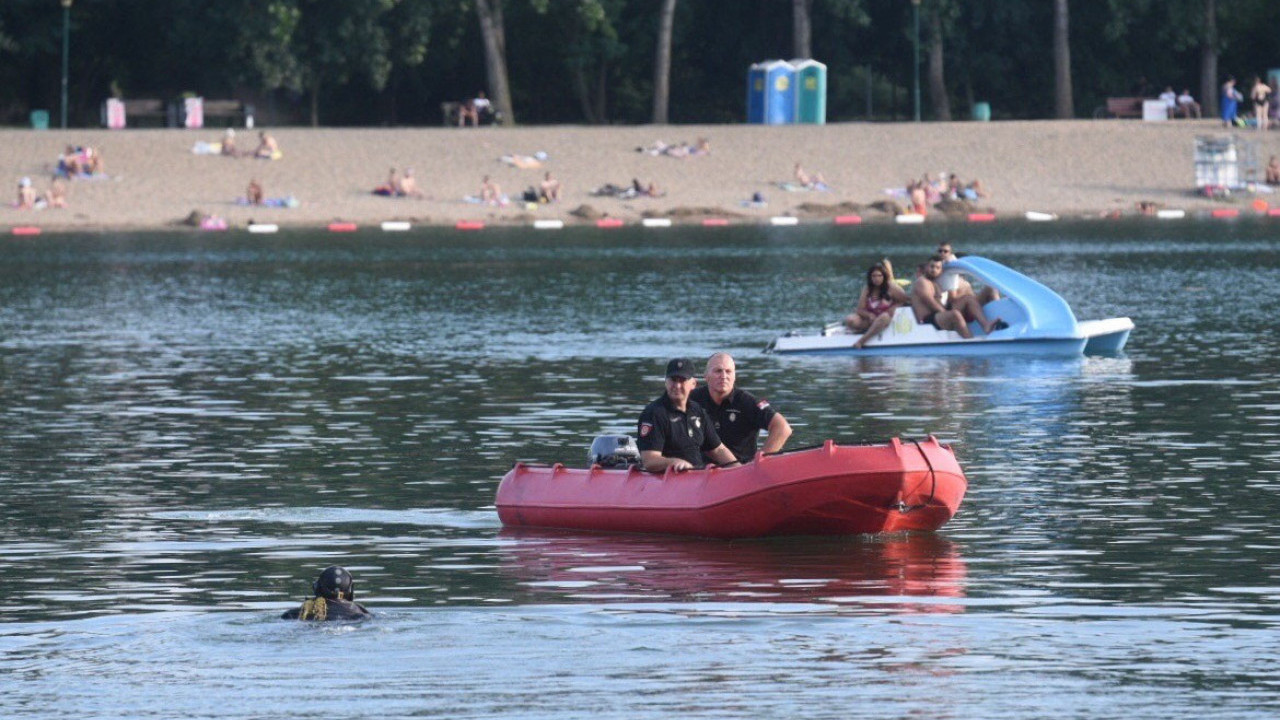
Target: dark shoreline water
{"x": 194, "y": 425}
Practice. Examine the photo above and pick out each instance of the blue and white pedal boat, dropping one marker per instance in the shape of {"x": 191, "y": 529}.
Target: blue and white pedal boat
{"x": 1039, "y": 323}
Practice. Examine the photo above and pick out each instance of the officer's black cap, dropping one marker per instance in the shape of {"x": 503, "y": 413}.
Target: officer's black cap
{"x": 680, "y": 367}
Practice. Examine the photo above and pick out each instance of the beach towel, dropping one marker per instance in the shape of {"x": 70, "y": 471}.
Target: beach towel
{"x": 287, "y": 201}
{"x": 502, "y": 201}
{"x": 797, "y": 187}
{"x": 206, "y": 148}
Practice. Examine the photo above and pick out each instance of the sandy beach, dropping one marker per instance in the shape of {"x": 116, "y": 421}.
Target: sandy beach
{"x": 1071, "y": 168}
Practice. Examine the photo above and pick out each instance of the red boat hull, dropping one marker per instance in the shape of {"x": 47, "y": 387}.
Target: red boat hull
{"x": 830, "y": 490}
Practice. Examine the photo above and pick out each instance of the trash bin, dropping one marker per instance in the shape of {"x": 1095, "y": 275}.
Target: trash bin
{"x": 811, "y": 91}
{"x": 39, "y": 119}
{"x": 113, "y": 113}
{"x": 193, "y": 113}
{"x": 982, "y": 111}
{"x": 771, "y": 93}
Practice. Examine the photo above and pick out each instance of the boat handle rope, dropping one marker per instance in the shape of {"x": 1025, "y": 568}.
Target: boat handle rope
{"x": 933, "y": 474}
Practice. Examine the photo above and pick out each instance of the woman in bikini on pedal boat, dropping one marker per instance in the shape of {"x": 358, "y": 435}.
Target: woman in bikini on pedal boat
{"x": 879, "y": 298}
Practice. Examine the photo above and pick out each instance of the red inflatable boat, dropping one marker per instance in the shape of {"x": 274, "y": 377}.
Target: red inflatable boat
{"x": 828, "y": 490}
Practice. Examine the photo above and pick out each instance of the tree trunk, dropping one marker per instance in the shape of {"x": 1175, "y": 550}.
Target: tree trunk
{"x": 662, "y": 63}
{"x": 583, "y": 92}
{"x": 602, "y": 93}
{"x": 937, "y": 79}
{"x": 1063, "y": 107}
{"x": 801, "y": 29}
{"x": 495, "y": 57}
{"x": 1209, "y": 61}
{"x": 315, "y": 103}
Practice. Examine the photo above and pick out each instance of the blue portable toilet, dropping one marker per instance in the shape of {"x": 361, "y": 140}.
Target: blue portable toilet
{"x": 811, "y": 91}
{"x": 771, "y": 93}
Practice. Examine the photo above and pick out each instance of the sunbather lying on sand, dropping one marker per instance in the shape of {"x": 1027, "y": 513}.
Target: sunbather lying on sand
{"x": 626, "y": 192}
{"x": 524, "y": 162}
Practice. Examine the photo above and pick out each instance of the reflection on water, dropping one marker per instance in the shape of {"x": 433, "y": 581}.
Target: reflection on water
{"x": 191, "y": 426}
{"x": 843, "y": 572}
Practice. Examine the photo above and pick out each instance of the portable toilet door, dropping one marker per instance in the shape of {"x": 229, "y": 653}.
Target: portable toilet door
{"x": 757, "y": 80}
{"x": 780, "y": 93}
{"x": 811, "y": 91}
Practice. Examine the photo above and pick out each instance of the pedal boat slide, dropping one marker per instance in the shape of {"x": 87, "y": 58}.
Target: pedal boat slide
{"x": 1039, "y": 323}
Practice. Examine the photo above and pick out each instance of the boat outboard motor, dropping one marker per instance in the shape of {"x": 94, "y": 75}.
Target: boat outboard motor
{"x": 614, "y": 451}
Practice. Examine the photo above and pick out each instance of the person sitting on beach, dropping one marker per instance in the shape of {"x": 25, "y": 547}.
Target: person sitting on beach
{"x": 880, "y": 297}
{"x": 69, "y": 162}
{"x": 1187, "y": 104}
{"x": 229, "y": 144}
{"x": 927, "y": 304}
{"x": 549, "y": 190}
{"x": 919, "y": 199}
{"x": 409, "y": 185}
{"x": 26, "y": 195}
{"x": 253, "y": 194}
{"x": 1273, "y": 171}
{"x": 91, "y": 162}
{"x": 334, "y": 599}
{"x": 812, "y": 182}
{"x": 392, "y": 187}
{"x": 473, "y": 109}
{"x": 56, "y": 195}
{"x": 490, "y": 192}
{"x": 267, "y": 148}
{"x": 1170, "y": 100}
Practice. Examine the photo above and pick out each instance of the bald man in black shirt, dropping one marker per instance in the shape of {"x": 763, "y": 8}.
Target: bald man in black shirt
{"x": 676, "y": 433}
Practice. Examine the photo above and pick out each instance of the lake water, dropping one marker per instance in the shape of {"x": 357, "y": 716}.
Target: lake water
{"x": 191, "y": 426}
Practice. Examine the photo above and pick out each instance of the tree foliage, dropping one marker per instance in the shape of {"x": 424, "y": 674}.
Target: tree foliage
{"x": 395, "y": 61}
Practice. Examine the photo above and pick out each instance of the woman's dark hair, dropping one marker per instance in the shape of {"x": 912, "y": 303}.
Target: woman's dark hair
{"x": 883, "y": 290}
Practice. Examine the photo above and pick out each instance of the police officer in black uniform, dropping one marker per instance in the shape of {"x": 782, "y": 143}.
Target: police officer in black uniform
{"x": 738, "y": 415}
{"x": 674, "y": 432}
{"x": 335, "y": 593}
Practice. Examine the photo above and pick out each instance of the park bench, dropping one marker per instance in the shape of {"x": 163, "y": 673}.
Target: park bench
{"x": 1120, "y": 107}
{"x": 449, "y": 113}
{"x": 149, "y": 108}
{"x": 238, "y": 112}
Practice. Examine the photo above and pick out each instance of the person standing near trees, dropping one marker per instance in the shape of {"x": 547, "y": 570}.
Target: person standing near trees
{"x": 1259, "y": 94}
{"x": 1230, "y": 101}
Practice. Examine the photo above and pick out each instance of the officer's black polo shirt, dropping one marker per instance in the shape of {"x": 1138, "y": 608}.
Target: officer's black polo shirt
{"x": 738, "y": 420}
{"x": 677, "y": 434}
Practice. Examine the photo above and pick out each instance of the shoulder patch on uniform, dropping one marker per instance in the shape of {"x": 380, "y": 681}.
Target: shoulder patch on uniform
{"x": 645, "y": 429}
{"x": 762, "y": 404}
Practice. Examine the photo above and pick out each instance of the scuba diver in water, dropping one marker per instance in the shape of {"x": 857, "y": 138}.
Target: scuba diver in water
{"x": 334, "y": 599}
